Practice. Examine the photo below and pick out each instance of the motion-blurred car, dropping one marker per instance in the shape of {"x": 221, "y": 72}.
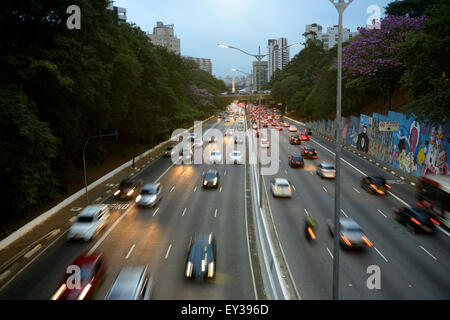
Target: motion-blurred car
{"x": 281, "y": 188}
{"x": 201, "y": 257}
{"x": 90, "y": 221}
{"x": 295, "y": 140}
{"x": 326, "y": 170}
{"x": 304, "y": 137}
{"x": 211, "y": 179}
{"x": 92, "y": 268}
{"x": 309, "y": 153}
{"x": 265, "y": 124}
{"x": 285, "y": 124}
{"x": 185, "y": 155}
{"x": 212, "y": 139}
{"x": 132, "y": 283}
{"x": 128, "y": 188}
{"x": 375, "y": 184}
{"x": 309, "y": 132}
{"x": 417, "y": 218}
{"x": 191, "y": 137}
{"x": 215, "y": 157}
{"x": 169, "y": 152}
{"x": 238, "y": 140}
{"x": 228, "y": 132}
{"x": 198, "y": 143}
{"x": 265, "y": 143}
{"x": 150, "y": 194}
{"x": 296, "y": 161}
{"x": 240, "y": 128}
{"x": 292, "y": 129}
{"x": 279, "y": 128}
{"x": 351, "y": 234}
{"x": 236, "y": 157}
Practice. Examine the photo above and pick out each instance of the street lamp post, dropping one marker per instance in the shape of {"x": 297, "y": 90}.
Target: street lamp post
{"x": 258, "y": 57}
{"x": 340, "y": 5}
{"x": 84, "y": 159}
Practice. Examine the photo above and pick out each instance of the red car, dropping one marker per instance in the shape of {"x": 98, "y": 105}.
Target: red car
{"x": 265, "y": 124}
{"x": 92, "y": 268}
{"x": 304, "y": 137}
{"x": 309, "y": 153}
{"x": 279, "y": 128}
{"x": 295, "y": 140}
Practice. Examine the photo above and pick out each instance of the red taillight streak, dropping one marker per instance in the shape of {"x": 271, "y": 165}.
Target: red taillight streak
{"x": 415, "y": 221}
{"x": 346, "y": 241}
{"x": 435, "y": 222}
{"x": 367, "y": 241}
{"x": 311, "y": 233}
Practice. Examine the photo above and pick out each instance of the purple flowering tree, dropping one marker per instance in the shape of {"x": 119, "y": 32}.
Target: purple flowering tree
{"x": 202, "y": 97}
{"x": 372, "y": 58}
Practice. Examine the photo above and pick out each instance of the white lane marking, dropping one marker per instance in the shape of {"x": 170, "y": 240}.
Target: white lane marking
{"x": 184, "y": 211}
{"x": 95, "y": 246}
{"x": 183, "y": 173}
{"x": 330, "y": 253}
{"x": 131, "y": 250}
{"x": 154, "y": 213}
{"x": 445, "y": 232}
{"x": 380, "y": 254}
{"x": 172, "y": 188}
{"x": 428, "y": 253}
{"x": 165, "y": 172}
{"x": 412, "y": 183}
{"x": 220, "y": 189}
{"x": 72, "y": 219}
{"x": 382, "y": 213}
{"x": 33, "y": 251}
{"x": 393, "y": 172}
{"x": 195, "y": 189}
{"x": 356, "y": 189}
{"x": 377, "y": 163}
{"x": 4, "y": 275}
{"x": 306, "y": 211}
{"x": 108, "y": 191}
{"x": 215, "y": 213}
{"x": 98, "y": 199}
{"x": 225, "y": 173}
{"x": 285, "y": 171}
{"x": 311, "y": 173}
{"x": 384, "y": 168}
{"x": 294, "y": 188}
{"x": 399, "y": 199}
{"x": 324, "y": 189}
{"x": 402, "y": 178}
{"x": 344, "y": 213}
{"x": 168, "y": 250}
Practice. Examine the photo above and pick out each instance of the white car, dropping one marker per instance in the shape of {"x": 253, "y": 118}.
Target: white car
{"x": 198, "y": 143}
{"x": 241, "y": 121}
{"x": 228, "y": 132}
{"x": 265, "y": 143}
{"x": 150, "y": 195}
{"x": 292, "y": 129}
{"x": 326, "y": 170}
{"x": 89, "y": 222}
{"x": 236, "y": 157}
{"x": 281, "y": 188}
{"x": 286, "y": 124}
{"x": 216, "y": 157}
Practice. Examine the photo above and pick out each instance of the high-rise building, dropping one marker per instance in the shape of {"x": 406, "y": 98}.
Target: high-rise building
{"x": 260, "y": 73}
{"x": 278, "y": 56}
{"x": 163, "y": 35}
{"x": 202, "y": 63}
{"x": 120, "y": 13}
{"x": 331, "y": 37}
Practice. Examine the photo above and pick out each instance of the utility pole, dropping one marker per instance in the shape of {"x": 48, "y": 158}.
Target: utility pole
{"x": 340, "y": 5}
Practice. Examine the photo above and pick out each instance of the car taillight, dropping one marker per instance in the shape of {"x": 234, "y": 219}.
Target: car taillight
{"x": 435, "y": 222}
{"x": 387, "y": 186}
{"x": 416, "y": 222}
{"x": 311, "y": 233}
{"x": 373, "y": 186}
{"x": 334, "y": 170}
{"x": 367, "y": 241}
{"x": 346, "y": 241}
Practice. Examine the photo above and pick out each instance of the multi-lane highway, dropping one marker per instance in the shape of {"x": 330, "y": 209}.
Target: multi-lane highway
{"x": 158, "y": 237}
{"x": 413, "y": 266}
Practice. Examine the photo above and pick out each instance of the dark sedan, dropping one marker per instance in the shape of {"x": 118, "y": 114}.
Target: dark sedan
{"x": 211, "y": 179}
{"x": 417, "y": 218}
{"x": 128, "y": 188}
{"x": 375, "y": 184}
{"x": 295, "y": 140}
{"x": 296, "y": 161}
{"x": 201, "y": 257}
{"x": 169, "y": 152}
{"x": 309, "y": 153}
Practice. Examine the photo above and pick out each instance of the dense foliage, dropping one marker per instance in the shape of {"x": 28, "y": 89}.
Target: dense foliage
{"x": 59, "y": 86}
{"x": 410, "y": 50}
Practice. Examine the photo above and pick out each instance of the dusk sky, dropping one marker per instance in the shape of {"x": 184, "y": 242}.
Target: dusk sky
{"x": 246, "y": 24}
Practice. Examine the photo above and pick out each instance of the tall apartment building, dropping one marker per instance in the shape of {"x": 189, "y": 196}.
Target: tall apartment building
{"x": 202, "y": 63}
{"x": 120, "y": 13}
{"x": 163, "y": 35}
{"x": 260, "y": 73}
{"x": 278, "y": 56}
{"x": 331, "y": 37}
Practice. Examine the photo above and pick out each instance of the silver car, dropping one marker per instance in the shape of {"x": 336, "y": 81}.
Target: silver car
{"x": 351, "y": 234}
{"x": 326, "y": 170}
{"x": 281, "y": 188}
{"x": 132, "y": 283}
{"x": 150, "y": 195}
{"x": 89, "y": 222}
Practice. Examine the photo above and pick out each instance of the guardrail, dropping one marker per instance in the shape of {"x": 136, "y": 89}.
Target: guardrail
{"x": 278, "y": 282}
{"x": 49, "y": 213}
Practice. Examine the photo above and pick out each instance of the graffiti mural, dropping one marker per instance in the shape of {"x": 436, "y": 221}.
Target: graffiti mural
{"x": 415, "y": 148}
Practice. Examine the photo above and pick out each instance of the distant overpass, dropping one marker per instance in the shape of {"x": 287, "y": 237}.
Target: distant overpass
{"x": 249, "y": 97}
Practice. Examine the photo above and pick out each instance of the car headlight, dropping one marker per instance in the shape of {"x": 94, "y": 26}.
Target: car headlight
{"x": 205, "y": 182}
{"x": 189, "y": 269}
{"x": 211, "y": 269}
{"x": 215, "y": 181}
{"x": 117, "y": 192}
{"x": 138, "y": 198}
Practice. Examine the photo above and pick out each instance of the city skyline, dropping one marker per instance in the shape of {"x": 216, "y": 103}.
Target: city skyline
{"x": 230, "y": 22}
